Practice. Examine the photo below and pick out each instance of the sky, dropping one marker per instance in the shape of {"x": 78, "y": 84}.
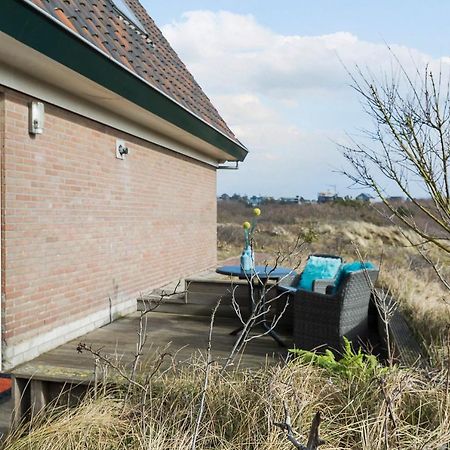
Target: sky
{"x": 278, "y": 74}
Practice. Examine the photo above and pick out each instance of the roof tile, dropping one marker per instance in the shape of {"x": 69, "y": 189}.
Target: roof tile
{"x": 145, "y": 52}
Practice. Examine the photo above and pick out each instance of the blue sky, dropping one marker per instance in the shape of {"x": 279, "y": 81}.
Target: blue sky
{"x": 419, "y": 24}
{"x": 275, "y": 73}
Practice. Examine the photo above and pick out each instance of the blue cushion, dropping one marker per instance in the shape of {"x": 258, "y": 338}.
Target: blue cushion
{"x": 347, "y": 268}
{"x": 318, "y": 267}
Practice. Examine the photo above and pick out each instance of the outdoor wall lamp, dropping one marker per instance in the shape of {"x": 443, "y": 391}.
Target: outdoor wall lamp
{"x": 225, "y": 167}
{"x": 36, "y": 113}
{"x": 121, "y": 149}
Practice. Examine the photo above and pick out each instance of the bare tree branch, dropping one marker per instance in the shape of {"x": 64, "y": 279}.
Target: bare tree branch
{"x": 206, "y": 379}
{"x": 409, "y": 147}
{"x": 263, "y": 297}
{"x": 314, "y": 440}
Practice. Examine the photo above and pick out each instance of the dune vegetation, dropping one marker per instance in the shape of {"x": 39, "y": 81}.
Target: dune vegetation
{"x": 388, "y": 409}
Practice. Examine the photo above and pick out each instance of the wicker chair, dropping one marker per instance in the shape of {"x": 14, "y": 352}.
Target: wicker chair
{"x": 287, "y": 287}
{"x": 323, "y": 319}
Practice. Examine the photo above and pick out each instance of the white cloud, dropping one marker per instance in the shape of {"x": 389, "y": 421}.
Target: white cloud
{"x": 286, "y": 97}
{"x": 230, "y": 52}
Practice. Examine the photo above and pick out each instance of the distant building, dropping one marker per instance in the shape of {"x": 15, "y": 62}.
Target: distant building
{"x": 290, "y": 200}
{"x": 364, "y": 197}
{"x": 326, "y": 197}
{"x": 255, "y": 201}
{"x": 396, "y": 199}
{"x": 304, "y": 201}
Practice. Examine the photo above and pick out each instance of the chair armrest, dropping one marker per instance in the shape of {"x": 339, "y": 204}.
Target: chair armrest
{"x": 308, "y": 296}
{"x": 288, "y": 283}
{"x": 321, "y": 285}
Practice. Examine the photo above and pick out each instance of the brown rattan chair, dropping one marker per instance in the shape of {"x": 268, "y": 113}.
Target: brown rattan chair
{"x": 321, "y": 320}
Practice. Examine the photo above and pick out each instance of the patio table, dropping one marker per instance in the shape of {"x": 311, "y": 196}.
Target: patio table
{"x": 257, "y": 278}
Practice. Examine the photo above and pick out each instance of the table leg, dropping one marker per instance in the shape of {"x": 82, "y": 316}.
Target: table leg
{"x": 255, "y": 297}
{"x": 273, "y": 334}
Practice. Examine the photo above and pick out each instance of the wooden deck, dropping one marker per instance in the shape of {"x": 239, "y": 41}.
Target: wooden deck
{"x": 407, "y": 350}
{"x": 184, "y": 336}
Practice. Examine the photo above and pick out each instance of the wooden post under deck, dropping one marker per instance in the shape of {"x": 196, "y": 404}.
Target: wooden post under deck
{"x": 38, "y": 396}
{"x": 21, "y": 400}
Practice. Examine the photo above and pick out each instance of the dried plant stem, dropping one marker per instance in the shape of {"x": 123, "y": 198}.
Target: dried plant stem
{"x": 206, "y": 379}
{"x": 314, "y": 440}
{"x": 262, "y": 299}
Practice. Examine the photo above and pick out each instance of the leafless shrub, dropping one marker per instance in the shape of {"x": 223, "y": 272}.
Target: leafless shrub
{"x": 263, "y": 299}
{"x": 410, "y": 148}
{"x": 314, "y": 440}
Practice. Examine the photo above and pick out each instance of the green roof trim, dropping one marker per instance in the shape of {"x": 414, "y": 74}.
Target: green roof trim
{"x": 27, "y": 25}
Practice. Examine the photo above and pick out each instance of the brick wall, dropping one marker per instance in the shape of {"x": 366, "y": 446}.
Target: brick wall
{"x": 83, "y": 230}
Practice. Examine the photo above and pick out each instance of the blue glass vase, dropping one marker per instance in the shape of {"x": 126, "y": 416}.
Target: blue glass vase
{"x": 247, "y": 260}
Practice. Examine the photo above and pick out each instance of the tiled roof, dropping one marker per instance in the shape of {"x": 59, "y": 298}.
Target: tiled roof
{"x": 145, "y": 52}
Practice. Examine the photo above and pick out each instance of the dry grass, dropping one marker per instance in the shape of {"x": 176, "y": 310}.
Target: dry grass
{"x": 411, "y": 411}
{"x": 94, "y": 424}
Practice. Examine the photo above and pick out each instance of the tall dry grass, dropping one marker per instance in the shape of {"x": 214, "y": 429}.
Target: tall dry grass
{"x": 396, "y": 410}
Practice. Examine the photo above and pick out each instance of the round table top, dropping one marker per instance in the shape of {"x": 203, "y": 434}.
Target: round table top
{"x": 263, "y": 272}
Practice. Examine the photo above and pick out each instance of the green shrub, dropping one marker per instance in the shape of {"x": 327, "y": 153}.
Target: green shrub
{"x": 351, "y": 364}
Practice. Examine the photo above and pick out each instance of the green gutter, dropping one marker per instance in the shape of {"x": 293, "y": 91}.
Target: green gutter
{"x": 27, "y": 25}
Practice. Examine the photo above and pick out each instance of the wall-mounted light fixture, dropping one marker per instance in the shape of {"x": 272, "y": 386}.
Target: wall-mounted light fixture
{"x": 121, "y": 149}
{"x": 225, "y": 167}
{"x": 36, "y": 117}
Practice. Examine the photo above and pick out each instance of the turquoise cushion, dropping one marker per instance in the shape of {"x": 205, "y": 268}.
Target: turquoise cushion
{"x": 347, "y": 268}
{"x": 318, "y": 267}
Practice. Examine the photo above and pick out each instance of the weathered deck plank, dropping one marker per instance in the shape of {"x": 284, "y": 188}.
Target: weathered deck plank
{"x": 183, "y": 336}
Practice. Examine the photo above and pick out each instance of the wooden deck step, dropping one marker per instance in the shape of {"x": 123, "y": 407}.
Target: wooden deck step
{"x": 201, "y": 294}
{"x": 407, "y": 350}
{"x": 198, "y": 298}
{"x": 200, "y": 290}
{"x": 182, "y": 308}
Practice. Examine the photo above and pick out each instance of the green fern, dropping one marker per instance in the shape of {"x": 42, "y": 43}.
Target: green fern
{"x": 352, "y": 364}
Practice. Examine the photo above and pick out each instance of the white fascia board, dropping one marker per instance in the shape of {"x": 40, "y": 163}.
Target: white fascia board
{"x": 25, "y": 70}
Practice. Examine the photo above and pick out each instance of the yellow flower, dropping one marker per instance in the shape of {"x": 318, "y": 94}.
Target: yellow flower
{"x": 257, "y": 212}
{"x": 246, "y": 225}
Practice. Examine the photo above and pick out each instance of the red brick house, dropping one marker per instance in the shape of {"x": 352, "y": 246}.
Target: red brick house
{"x": 86, "y": 226}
